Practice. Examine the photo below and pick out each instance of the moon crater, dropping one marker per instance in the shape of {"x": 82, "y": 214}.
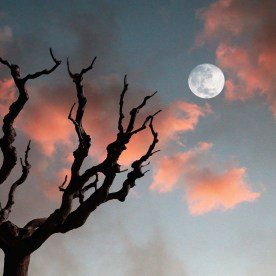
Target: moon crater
{"x": 206, "y": 81}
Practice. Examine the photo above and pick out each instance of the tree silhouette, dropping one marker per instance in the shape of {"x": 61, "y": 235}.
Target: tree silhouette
{"x": 19, "y": 243}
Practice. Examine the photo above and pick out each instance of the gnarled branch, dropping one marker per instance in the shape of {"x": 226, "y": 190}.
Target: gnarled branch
{"x": 84, "y": 139}
{"x": 4, "y": 213}
{"x": 78, "y": 77}
{"x": 78, "y": 217}
{"x": 137, "y": 167}
{"x": 5, "y": 62}
{"x": 134, "y": 111}
{"x": 6, "y": 142}
{"x": 45, "y": 71}
{"x": 35, "y": 223}
{"x": 121, "y": 114}
{"x": 64, "y": 219}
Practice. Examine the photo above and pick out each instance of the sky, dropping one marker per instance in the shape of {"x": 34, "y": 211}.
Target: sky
{"x": 207, "y": 207}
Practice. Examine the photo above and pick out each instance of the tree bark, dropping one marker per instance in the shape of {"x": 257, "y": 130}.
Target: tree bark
{"x": 16, "y": 265}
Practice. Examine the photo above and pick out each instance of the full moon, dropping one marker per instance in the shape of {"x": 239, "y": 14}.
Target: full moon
{"x": 206, "y": 81}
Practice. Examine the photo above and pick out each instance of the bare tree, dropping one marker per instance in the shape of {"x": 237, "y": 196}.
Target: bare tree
{"x": 19, "y": 243}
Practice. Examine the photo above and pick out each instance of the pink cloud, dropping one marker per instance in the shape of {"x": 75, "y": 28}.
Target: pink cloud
{"x": 205, "y": 187}
{"x": 219, "y": 191}
{"x": 246, "y": 51}
{"x": 176, "y": 118}
{"x": 44, "y": 121}
{"x": 213, "y": 24}
{"x": 7, "y": 95}
{"x": 44, "y": 118}
{"x": 180, "y": 117}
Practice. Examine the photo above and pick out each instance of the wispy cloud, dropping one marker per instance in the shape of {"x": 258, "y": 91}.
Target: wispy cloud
{"x": 153, "y": 259}
{"x": 6, "y": 34}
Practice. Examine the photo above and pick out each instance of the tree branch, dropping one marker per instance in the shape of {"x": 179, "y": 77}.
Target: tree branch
{"x": 144, "y": 124}
{"x": 121, "y": 114}
{"x": 61, "y": 187}
{"x": 78, "y": 77}
{"x": 115, "y": 149}
{"x": 137, "y": 168}
{"x": 4, "y": 213}
{"x": 82, "y": 191}
{"x": 35, "y": 223}
{"x": 78, "y": 128}
{"x": 57, "y": 218}
{"x": 78, "y": 217}
{"x": 84, "y": 139}
{"x": 64, "y": 219}
{"x": 5, "y": 62}
{"x": 6, "y": 142}
{"x": 86, "y": 188}
{"x": 134, "y": 112}
{"x": 45, "y": 71}
{"x": 9, "y": 234}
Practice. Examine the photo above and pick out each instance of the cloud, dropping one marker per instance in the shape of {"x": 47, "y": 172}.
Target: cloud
{"x": 62, "y": 259}
{"x": 175, "y": 119}
{"x": 44, "y": 117}
{"x": 7, "y": 95}
{"x": 180, "y": 117}
{"x": 205, "y": 187}
{"x": 153, "y": 259}
{"x": 44, "y": 121}
{"x": 6, "y": 38}
{"x": 6, "y": 35}
{"x": 246, "y": 46}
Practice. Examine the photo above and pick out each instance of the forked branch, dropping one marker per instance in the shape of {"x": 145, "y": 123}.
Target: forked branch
{"x": 84, "y": 139}
{"x": 78, "y": 76}
{"x": 45, "y": 71}
{"x": 6, "y": 142}
{"x": 25, "y": 171}
{"x": 134, "y": 111}
{"x": 137, "y": 167}
{"x": 5, "y": 62}
{"x": 90, "y": 194}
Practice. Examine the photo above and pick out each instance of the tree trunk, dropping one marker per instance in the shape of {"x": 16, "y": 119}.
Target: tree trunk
{"x": 16, "y": 265}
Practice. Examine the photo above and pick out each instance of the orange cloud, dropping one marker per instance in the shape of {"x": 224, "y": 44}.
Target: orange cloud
{"x": 218, "y": 191}
{"x": 246, "y": 51}
{"x": 205, "y": 187}
{"x": 176, "y": 118}
{"x": 180, "y": 117}
{"x": 44, "y": 121}
{"x": 44, "y": 118}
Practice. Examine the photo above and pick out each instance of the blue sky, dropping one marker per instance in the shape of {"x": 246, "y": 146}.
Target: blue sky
{"x": 217, "y": 217}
